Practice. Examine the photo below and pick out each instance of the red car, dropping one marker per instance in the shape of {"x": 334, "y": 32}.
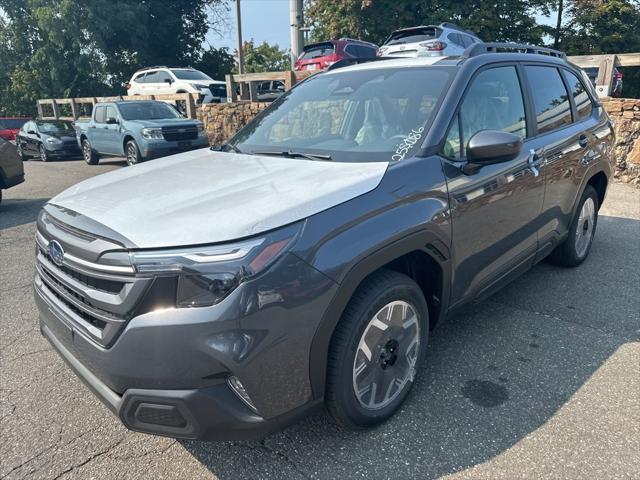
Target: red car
{"x": 10, "y": 126}
{"x": 318, "y": 56}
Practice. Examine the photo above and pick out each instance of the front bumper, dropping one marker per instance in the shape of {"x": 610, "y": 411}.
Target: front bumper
{"x": 172, "y": 366}
{"x": 63, "y": 151}
{"x": 163, "y": 148}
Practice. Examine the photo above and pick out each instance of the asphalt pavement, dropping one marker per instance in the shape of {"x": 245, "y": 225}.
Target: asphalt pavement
{"x": 541, "y": 380}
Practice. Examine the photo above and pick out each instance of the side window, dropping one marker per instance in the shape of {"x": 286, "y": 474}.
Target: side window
{"x": 455, "y": 38}
{"x": 139, "y": 78}
{"x": 493, "y": 102}
{"x": 367, "y": 52}
{"x": 452, "y": 143}
{"x": 100, "y": 115}
{"x": 162, "y": 76}
{"x": 550, "y": 98}
{"x": 152, "y": 77}
{"x": 110, "y": 112}
{"x": 466, "y": 40}
{"x": 580, "y": 95}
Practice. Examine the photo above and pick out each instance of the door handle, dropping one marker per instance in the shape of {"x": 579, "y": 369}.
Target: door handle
{"x": 534, "y": 162}
{"x": 583, "y": 141}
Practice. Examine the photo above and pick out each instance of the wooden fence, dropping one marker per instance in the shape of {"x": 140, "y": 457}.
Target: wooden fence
{"x": 605, "y": 65}
{"x": 75, "y": 108}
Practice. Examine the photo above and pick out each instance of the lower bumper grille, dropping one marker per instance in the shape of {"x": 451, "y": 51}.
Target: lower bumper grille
{"x": 175, "y": 134}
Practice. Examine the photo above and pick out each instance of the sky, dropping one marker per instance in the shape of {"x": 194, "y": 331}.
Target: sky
{"x": 266, "y": 20}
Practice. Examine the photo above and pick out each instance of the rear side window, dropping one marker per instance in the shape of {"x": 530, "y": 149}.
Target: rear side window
{"x": 550, "y": 98}
{"x": 492, "y": 102}
{"x": 455, "y": 38}
{"x": 581, "y": 98}
{"x": 352, "y": 50}
{"x": 100, "y": 114}
{"x": 367, "y": 52}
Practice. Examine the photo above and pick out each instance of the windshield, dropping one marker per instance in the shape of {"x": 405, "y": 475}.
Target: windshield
{"x": 413, "y": 35}
{"x": 317, "y": 51}
{"x": 55, "y": 127}
{"x": 147, "y": 111}
{"x": 190, "y": 75}
{"x": 377, "y": 114}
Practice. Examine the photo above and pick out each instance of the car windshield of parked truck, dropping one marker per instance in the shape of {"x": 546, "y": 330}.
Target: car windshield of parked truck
{"x": 190, "y": 75}
{"x": 55, "y": 127}
{"x": 376, "y": 114}
{"x": 147, "y": 111}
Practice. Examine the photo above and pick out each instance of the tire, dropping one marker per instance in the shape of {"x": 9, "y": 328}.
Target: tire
{"x": 132, "y": 153}
{"x": 363, "y": 355}
{"x": 576, "y": 247}
{"x": 44, "y": 156}
{"x": 88, "y": 153}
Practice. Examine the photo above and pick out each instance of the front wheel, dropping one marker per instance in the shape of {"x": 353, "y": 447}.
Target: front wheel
{"x": 133, "y": 153}
{"x": 575, "y": 249}
{"x": 376, "y": 350}
{"x": 44, "y": 156}
{"x": 20, "y": 153}
{"x": 88, "y": 153}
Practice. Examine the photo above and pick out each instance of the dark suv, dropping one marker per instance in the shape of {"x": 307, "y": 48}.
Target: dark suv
{"x": 224, "y": 293}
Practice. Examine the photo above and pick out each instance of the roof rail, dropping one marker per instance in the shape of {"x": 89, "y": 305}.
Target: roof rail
{"x": 496, "y": 47}
{"x": 453, "y": 26}
{"x": 347, "y": 62}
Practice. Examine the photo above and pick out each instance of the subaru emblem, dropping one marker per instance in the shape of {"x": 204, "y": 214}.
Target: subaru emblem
{"x": 56, "y": 252}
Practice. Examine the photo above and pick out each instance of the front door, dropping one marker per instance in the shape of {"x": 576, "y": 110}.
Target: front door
{"x": 111, "y": 143}
{"x": 495, "y": 209}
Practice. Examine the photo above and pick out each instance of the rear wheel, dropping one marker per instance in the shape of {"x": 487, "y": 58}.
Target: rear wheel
{"x": 88, "y": 153}
{"x": 133, "y": 153}
{"x": 376, "y": 350}
{"x": 576, "y": 247}
{"x": 44, "y": 156}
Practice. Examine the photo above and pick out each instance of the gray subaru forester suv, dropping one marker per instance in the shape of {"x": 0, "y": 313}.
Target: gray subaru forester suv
{"x": 224, "y": 293}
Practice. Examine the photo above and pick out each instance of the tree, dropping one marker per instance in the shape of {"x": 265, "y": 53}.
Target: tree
{"x": 216, "y": 62}
{"x": 58, "y": 48}
{"x": 265, "y": 58}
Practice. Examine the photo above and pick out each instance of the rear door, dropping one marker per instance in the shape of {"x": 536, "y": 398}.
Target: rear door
{"x": 565, "y": 117}
{"x": 152, "y": 83}
{"x": 495, "y": 209}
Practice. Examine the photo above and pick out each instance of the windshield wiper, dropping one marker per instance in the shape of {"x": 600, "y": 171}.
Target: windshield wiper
{"x": 290, "y": 154}
{"x": 219, "y": 148}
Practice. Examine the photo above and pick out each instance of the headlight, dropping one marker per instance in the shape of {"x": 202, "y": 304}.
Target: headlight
{"x": 53, "y": 141}
{"x": 152, "y": 133}
{"x": 206, "y": 275}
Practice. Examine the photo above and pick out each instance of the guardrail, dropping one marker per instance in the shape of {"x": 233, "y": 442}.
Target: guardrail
{"x": 75, "y": 108}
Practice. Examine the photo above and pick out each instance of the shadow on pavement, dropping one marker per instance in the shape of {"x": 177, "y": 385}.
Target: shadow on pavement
{"x": 494, "y": 374}
{"x": 14, "y": 212}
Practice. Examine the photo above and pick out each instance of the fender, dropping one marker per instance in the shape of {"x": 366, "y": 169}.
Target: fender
{"x": 425, "y": 241}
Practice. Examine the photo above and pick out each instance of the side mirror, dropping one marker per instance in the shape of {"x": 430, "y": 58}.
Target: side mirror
{"x": 488, "y": 147}
{"x": 168, "y": 80}
{"x": 111, "y": 121}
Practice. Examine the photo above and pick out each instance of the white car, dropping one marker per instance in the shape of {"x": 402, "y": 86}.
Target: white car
{"x": 166, "y": 80}
{"x": 446, "y": 39}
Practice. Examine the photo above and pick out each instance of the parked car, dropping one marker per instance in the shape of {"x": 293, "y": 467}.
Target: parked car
{"x": 166, "y": 80}
{"x": 137, "y": 130}
{"x": 615, "y": 89}
{"x": 318, "y": 56}
{"x": 270, "y": 90}
{"x": 224, "y": 294}
{"x": 9, "y": 127}
{"x": 46, "y": 140}
{"x": 429, "y": 41}
{"x": 11, "y": 168}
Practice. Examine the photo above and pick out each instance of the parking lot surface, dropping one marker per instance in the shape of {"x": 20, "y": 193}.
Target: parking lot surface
{"x": 541, "y": 380}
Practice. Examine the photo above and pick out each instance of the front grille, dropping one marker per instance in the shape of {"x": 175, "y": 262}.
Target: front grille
{"x": 90, "y": 319}
{"x": 176, "y": 134}
{"x": 218, "y": 90}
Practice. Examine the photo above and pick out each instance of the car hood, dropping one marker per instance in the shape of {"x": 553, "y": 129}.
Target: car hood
{"x": 207, "y": 197}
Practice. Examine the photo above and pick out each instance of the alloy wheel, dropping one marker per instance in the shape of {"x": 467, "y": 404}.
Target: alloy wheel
{"x": 386, "y": 357}
{"x": 584, "y": 228}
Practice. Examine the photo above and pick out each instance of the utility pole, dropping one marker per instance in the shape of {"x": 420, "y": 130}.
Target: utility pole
{"x": 240, "y": 49}
{"x": 297, "y": 23}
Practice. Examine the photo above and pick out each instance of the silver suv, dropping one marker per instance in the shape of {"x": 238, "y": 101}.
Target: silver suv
{"x": 445, "y": 39}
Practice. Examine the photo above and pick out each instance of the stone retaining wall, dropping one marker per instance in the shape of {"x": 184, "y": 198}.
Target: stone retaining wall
{"x": 222, "y": 121}
{"x": 625, "y": 114}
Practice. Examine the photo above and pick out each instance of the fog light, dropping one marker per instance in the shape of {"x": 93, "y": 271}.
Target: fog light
{"x": 239, "y": 390}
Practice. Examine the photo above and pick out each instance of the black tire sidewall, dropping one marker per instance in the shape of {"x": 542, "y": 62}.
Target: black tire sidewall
{"x": 398, "y": 287}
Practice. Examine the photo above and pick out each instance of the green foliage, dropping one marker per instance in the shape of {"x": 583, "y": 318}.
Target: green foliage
{"x": 58, "y": 48}
{"x": 216, "y": 63}
{"x": 265, "y": 58}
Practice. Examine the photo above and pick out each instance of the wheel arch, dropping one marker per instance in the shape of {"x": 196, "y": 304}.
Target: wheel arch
{"x": 419, "y": 256}
{"x": 126, "y": 139}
